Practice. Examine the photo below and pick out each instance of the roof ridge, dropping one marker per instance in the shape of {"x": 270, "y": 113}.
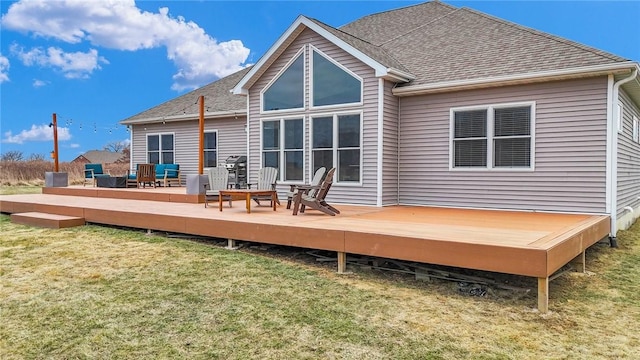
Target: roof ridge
{"x": 397, "y": 9}
{"x": 360, "y": 39}
{"x": 423, "y": 25}
{"x": 557, "y": 38}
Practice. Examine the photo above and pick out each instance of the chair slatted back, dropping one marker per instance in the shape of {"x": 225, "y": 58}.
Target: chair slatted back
{"x": 146, "y": 173}
{"x": 218, "y": 178}
{"x": 267, "y": 177}
{"x": 326, "y": 185}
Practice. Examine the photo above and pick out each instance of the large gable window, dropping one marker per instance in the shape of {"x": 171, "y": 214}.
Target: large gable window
{"x": 492, "y": 137}
{"x": 287, "y": 90}
{"x": 160, "y": 148}
{"x": 283, "y": 143}
{"x": 333, "y": 84}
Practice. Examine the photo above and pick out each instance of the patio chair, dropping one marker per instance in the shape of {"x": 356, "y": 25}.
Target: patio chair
{"x": 267, "y": 178}
{"x": 168, "y": 174}
{"x": 317, "y": 179}
{"x": 316, "y": 200}
{"x": 92, "y": 172}
{"x": 218, "y": 180}
{"x": 144, "y": 174}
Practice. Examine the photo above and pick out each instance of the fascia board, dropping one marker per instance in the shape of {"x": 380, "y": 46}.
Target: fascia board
{"x": 618, "y": 68}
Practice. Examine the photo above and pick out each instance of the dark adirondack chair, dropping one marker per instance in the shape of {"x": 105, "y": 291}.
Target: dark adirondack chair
{"x": 313, "y": 197}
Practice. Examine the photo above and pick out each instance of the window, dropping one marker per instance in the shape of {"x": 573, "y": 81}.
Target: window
{"x": 211, "y": 149}
{"x": 332, "y": 84}
{"x": 492, "y": 137}
{"x": 620, "y": 117}
{"x": 283, "y": 143}
{"x": 160, "y": 149}
{"x": 336, "y": 142}
{"x": 287, "y": 90}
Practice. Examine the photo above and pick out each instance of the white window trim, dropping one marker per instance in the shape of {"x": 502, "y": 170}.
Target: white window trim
{"x": 335, "y": 115}
{"x": 277, "y": 76}
{"x": 160, "y": 145}
{"x": 334, "y": 106}
{"x": 636, "y": 129}
{"x": 281, "y": 151}
{"x": 620, "y": 117}
{"x": 490, "y": 127}
{"x": 217, "y": 145}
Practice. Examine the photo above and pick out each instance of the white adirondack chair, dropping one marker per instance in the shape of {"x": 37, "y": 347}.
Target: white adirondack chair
{"x": 218, "y": 180}
{"x": 267, "y": 178}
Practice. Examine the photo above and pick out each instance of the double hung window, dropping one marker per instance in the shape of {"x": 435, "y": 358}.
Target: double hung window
{"x": 283, "y": 147}
{"x": 337, "y": 142}
{"x": 492, "y": 137}
{"x": 160, "y": 148}
{"x": 211, "y": 149}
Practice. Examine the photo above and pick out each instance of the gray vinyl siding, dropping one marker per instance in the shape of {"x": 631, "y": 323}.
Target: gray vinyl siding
{"x": 364, "y": 194}
{"x": 231, "y": 140}
{"x": 570, "y": 150}
{"x": 628, "y": 158}
{"x": 390, "y": 145}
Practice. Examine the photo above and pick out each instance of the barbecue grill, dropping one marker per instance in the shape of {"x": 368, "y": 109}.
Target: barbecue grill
{"x": 237, "y": 166}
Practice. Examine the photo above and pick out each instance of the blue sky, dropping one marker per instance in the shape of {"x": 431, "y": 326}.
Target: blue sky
{"x": 95, "y": 63}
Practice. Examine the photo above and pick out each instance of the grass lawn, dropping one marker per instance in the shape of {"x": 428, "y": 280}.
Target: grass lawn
{"x": 99, "y": 292}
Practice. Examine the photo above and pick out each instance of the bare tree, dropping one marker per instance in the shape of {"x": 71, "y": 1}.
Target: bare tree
{"x": 116, "y": 146}
{"x": 13, "y": 155}
{"x": 36, "y": 157}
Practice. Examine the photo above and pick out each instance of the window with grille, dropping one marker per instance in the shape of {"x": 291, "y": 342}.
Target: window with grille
{"x": 160, "y": 148}
{"x": 283, "y": 147}
{"x": 211, "y": 149}
{"x": 337, "y": 142}
{"x": 492, "y": 137}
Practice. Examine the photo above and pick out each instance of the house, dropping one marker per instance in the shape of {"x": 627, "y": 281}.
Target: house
{"x": 427, "y": 105}
{"x": 98, "y": 157}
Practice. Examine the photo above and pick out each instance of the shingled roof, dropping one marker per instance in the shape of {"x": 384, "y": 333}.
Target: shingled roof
{"x": 428, "y": 43}
{"x": 218, "y": 101}
{"x": 439, "y": 43}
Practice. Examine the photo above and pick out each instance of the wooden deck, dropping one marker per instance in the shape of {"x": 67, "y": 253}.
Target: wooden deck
{"x": 521, "y": 243}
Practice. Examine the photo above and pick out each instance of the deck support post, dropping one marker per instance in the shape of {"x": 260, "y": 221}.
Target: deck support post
{"x": 231, "y": 244}
{"x": 543, "y": 294}
{"x": 579, "y": 263}
{"x": 342, "y": 262}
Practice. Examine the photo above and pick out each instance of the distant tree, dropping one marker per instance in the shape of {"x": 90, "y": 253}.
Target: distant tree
{"x": 36, "y": 157}
{"x": 13, "y": 155}
{"x": 116, "y": 146}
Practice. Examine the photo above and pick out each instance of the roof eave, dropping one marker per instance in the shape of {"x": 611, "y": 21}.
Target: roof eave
{"x": 380, "y": 69}
{"x": 185, "y": 117}
{"x": 564, "y": 74}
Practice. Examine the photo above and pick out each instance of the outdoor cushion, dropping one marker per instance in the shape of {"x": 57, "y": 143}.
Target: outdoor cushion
{"x": 172, "y": 170}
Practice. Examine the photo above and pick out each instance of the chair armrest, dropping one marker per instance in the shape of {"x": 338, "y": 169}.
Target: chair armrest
{"x": 206, "y": 186}
{"x": 86, "y": 171}
{"x": 167, "y": 171}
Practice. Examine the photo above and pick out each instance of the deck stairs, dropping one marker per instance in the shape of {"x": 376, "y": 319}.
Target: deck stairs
{"x": 52, "y": 221}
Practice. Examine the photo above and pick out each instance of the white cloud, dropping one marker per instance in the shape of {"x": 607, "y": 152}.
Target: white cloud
{"x": 74, "y": 146}
{"x": 36, "y": 133}
{"x": 119, "y": 24}
{"x": 73, "y": 65}
{"x": 39, "y": 83}
{"x": 4, "y": 69}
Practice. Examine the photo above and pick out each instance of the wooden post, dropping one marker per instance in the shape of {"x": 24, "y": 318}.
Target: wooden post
{"x": 579, "y": 263}
{"x": 201, "y": 133}
{"x": 342, "y": 262}
{"x": 56, "y": 166}
{"x": 543, "y": 294}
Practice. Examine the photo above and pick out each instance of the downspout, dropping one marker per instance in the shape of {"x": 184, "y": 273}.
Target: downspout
{"x": 380, "y": 153}
{"x": 613, "y": 160}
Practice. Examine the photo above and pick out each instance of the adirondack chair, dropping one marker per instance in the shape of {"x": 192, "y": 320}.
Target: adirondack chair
{"x": 316, "y": 200}
{"x": 146, "y": 174}
{"x": 92, "y": 172}
{"x": 267, "y": 177}
{"x": 317, "y": 179}
{"x": 218, "y": 180}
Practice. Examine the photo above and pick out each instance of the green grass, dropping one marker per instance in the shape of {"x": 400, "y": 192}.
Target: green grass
{"x": 98, "y": 292}
{"x": 22, "y": 189}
